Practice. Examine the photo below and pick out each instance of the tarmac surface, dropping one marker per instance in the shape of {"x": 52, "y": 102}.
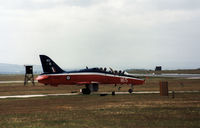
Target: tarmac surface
{"x": 187, "y": 76}
{"x": 10, "y": 82}
{"x": 73, "y": 94}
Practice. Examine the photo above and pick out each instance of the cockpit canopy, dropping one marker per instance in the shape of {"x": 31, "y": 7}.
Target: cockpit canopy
{"x": 104, "y": 70}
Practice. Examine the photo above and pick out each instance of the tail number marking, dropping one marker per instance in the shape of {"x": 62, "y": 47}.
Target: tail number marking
{"x": 124, "y": 80}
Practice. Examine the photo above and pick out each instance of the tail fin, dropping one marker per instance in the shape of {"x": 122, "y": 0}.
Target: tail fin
{"x": 49, "y": 66}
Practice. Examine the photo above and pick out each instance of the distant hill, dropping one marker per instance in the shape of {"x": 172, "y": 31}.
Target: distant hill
{"x": 17, "y": 69}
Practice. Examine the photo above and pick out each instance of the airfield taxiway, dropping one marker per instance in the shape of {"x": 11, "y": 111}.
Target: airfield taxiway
{"x": 73, "y": 94}
{"x": 10, "y": 82}
{"x": 176, "y": 75}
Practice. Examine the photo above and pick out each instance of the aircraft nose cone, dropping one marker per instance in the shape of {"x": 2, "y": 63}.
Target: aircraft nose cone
{"x": 42, "y": 77}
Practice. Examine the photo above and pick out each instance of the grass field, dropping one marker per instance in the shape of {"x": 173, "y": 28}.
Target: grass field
{"x": 119, "y": 111}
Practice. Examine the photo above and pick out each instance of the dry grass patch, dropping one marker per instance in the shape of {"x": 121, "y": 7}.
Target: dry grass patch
{"x": 94, "y": 111}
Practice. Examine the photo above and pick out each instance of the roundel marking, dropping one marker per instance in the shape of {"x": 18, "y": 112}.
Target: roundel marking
{"x": 68, "y": 77}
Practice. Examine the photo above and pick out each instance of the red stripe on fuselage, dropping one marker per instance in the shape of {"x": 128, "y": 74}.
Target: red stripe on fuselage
{"x": 75, "y": 78}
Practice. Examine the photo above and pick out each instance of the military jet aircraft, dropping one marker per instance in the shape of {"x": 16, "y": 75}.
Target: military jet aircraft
{"x": 90, "y": 77}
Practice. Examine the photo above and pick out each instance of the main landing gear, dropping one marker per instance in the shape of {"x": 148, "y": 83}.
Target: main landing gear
{"x": 90, "y": 88}
{"x": 94, "y": 88}
{"x": 86, "y": 91}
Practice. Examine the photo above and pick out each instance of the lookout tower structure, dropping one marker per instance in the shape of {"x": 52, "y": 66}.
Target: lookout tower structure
{"x": 158, "y": 68}
{"x": 28, "y": 74}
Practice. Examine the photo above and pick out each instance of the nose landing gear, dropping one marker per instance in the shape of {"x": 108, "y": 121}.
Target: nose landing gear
{"x": 131, "y": 89}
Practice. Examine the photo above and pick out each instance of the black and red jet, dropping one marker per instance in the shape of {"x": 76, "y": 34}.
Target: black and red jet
{"x": 90, "y": 77}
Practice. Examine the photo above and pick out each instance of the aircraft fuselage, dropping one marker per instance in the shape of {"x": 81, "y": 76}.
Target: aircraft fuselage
{"x": 83, "y": 78}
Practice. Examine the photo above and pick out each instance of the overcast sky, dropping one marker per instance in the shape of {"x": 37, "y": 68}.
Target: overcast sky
{"x": 113, "y": 33}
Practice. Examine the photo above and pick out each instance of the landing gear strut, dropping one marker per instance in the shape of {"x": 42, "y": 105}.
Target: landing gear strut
{"x": 131, "y": 89}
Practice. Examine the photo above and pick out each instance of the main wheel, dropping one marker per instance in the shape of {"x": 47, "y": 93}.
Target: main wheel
{"x": 86, "y": 91}
{"x": 113, "y": 93}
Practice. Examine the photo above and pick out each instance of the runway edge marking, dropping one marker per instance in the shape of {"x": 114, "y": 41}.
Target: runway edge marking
{"x": 73, "y": 94}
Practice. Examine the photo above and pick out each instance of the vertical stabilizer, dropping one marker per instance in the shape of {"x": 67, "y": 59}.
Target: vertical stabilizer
{"x": 49, "y": 66}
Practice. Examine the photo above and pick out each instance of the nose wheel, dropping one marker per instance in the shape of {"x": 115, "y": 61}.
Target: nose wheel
{"x": 131, "y": 89}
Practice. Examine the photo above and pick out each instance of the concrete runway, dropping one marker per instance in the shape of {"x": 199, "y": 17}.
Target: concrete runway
{"x": 73, "y": 94}
{"x": 10, "y": 82}
{"x": 186, "y": 76}
{"x": 38, "y": 95}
